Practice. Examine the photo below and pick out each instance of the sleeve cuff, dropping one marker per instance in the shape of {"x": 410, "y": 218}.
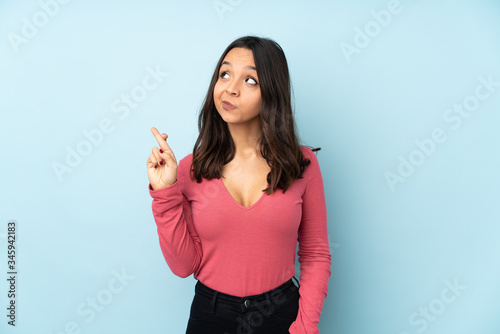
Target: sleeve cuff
{"x": 164, "y": 192}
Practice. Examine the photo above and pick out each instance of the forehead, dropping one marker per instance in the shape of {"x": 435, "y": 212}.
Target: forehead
{"x": 240, "y": 55}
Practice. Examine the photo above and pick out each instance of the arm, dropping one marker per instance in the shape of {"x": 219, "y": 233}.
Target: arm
{"x": 314, "y": 253}
{"x": 179, "y": 241}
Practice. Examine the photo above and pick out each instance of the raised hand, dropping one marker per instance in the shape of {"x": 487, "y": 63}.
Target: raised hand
{"x": 162, "y": 165}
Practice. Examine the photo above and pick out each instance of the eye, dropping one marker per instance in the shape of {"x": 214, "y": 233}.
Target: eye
{"x": 222, "y": 74}
{"x": 252, "y": 81}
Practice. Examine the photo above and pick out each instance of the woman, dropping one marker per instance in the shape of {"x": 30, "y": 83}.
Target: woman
{"x": 216, "y": 221}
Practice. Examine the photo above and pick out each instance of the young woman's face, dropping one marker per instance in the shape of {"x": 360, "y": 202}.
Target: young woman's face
{"x": 237, "y": 91}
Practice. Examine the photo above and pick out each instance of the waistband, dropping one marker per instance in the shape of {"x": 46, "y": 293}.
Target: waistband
{"x": 277, "y": 295}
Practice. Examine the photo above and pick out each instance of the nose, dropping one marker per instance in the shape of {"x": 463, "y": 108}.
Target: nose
{"x": 232, "y": 88}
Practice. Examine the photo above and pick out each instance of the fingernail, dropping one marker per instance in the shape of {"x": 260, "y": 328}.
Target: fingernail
{"x": 161, "y": 150}
{"x": 161, "y": 162}
{"x": 155, "y": 166}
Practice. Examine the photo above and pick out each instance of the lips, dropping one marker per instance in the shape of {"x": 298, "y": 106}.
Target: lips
{"x": 228, "y": 105}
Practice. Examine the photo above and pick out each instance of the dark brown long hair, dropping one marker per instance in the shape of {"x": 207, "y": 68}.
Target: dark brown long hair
{"x": 279, "y": 143}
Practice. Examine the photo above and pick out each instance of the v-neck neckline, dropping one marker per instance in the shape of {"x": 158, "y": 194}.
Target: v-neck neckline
{"x": 238, "y": 204}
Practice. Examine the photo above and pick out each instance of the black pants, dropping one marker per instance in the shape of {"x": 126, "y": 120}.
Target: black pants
{"x": 272, "y": 312}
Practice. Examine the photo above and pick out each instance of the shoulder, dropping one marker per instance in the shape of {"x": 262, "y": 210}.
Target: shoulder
{"x": 313, "y": 168}
{"x": 187, "y": 159}
{"x": 308, "y": 153}
{"x": 185, "y": 163}
{"x": 183, "y": 176}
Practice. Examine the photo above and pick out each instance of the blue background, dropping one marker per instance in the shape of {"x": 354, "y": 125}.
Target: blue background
{"x": 395, "y": 249}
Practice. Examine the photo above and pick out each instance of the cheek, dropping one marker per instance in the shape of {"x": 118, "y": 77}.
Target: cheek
{"x": 216, "y": 96}
{"x": 217, "y": 89}
{"x": 256, "y": 101}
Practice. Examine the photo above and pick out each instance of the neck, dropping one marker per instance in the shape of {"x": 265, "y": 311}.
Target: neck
{"x": 246, "y": 138}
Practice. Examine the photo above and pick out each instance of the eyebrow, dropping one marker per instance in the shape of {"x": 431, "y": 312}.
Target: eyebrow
{"x": 249, "y": 67}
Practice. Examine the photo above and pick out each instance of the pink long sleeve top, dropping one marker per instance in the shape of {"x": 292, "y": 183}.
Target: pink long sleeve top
{"x": 246, "y": 251}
